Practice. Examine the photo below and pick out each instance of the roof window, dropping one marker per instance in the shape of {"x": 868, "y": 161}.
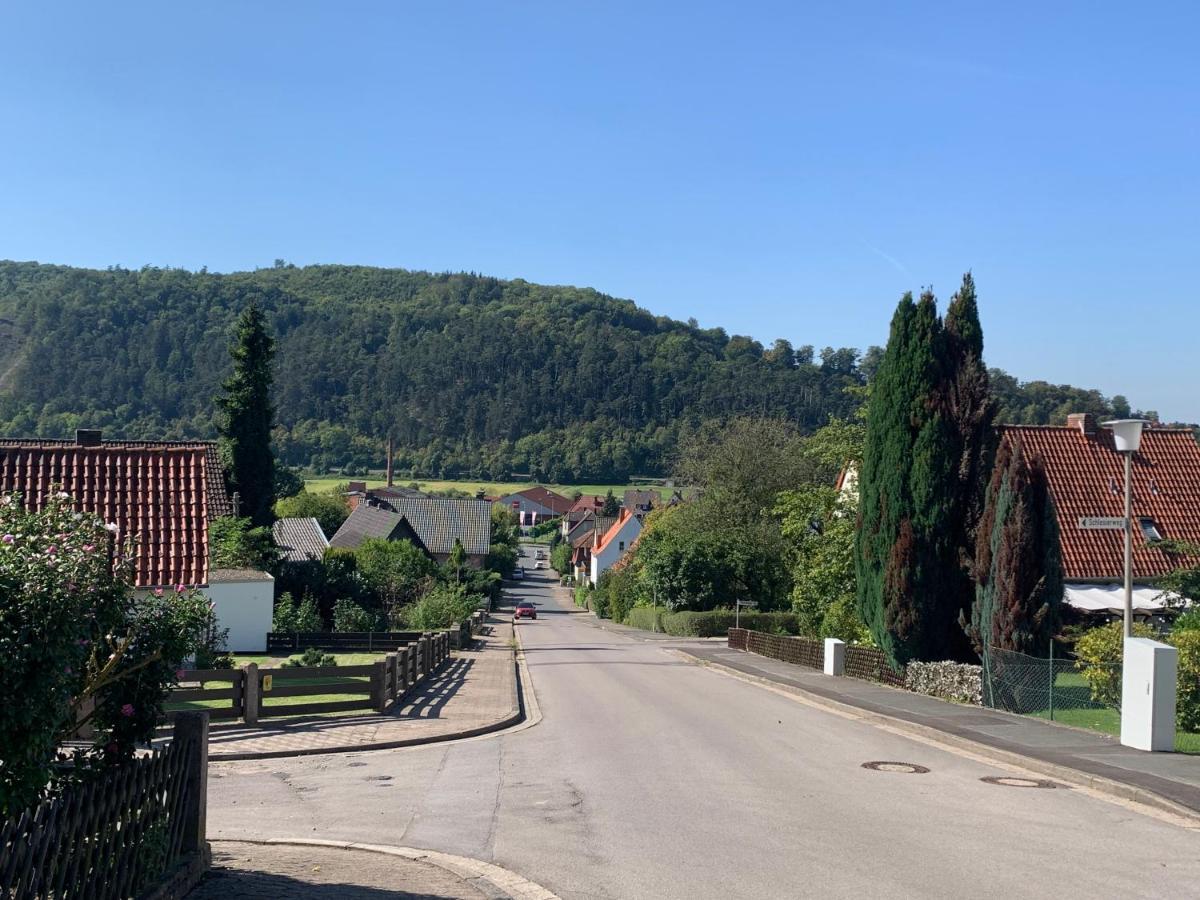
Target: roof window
{"x": 1149, "y": 531}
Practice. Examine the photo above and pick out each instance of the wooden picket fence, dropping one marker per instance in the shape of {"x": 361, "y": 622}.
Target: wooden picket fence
{"x": 371, "y": 687}
{"x": 338, "y": 641}
{"x": 117, "y": 835}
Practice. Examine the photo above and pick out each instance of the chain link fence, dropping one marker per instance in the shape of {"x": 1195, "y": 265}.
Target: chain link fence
{"x": 1052, "y": 688}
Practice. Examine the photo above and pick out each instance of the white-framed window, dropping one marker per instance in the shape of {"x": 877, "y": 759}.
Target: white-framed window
{"x": 1149, "y": 531}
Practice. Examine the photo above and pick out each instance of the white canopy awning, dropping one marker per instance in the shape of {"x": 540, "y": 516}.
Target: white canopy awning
{"x": 1111, "y": 598}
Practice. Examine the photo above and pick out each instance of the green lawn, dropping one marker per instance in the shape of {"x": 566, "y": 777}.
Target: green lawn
{"x": 1071, "y": 694}
{"x": 491, "y": 488}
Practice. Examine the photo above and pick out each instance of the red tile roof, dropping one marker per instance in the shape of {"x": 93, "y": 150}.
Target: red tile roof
{"x": 588, "y": 503}
{"x": 161, "y": 494}
{"x": 1087, "y": 478}
{"x": 547, "y": 498}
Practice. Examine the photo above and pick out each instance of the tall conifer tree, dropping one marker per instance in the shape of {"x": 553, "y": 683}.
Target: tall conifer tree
{"x": 972, "y": 410}
{"x": 903, "y": 542}
{"x": 1018, "y": 561}
{"x": 246, "y": 417}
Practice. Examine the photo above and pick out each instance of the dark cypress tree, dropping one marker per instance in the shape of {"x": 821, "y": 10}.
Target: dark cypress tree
{"x": 1018, "y": 562}
{"x": 245, "y": 418}
{"x": 904, "y": 545}
{"x": 970, "y": 407}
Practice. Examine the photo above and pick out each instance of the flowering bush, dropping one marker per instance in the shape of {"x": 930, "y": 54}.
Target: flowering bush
{"x": 77, "y": 648}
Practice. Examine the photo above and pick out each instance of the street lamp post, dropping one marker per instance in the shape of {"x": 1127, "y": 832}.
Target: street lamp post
{"x": 1127, "y": 437}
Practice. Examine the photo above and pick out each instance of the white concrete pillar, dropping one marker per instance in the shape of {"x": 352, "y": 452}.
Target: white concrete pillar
{"x": 835, "y": 656}
{"x": 1148, "y": 678}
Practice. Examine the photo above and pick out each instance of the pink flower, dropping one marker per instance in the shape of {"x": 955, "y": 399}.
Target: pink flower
{"x": 8, "y": 539}
{"x": 179, "y": 588}
{"x": 127, "y": 710}
{"x": 158, "y": 592}
{"x": 53, "y": 548}
{"x": 88, "y": 548}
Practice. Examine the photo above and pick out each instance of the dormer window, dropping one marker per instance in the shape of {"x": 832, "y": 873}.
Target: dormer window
{"x": 1149, "y": 531}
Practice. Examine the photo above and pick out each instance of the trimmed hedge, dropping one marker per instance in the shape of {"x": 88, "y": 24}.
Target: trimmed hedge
{"x": 717, "y": 622}
{"x": 649, "y": 618}
{"x": 957, "y": 682}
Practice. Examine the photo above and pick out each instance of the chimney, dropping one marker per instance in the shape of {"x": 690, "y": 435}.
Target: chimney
{"x": 1085, "y": 422}
{"x": 391, "y": 456}
{"x": 87, "y": 437}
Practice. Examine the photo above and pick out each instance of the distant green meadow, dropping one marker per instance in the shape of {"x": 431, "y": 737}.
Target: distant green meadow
{"x": 490, "y": 488}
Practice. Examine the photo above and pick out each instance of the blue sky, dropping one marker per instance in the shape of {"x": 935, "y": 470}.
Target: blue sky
{"x": 781, "y": 170}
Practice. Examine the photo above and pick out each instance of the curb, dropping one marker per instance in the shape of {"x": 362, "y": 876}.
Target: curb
{"x": 495, "y": 881}
{"x": 516, "y": 717}
{"x": 1114, "y": 789}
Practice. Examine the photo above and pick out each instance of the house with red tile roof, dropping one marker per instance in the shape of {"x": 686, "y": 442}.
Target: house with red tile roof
{"x": 1086, "y": 476}
{"x": 614, "y": 543}
{"x": 587, "y": 504}
{"x": 159, "y": 496}
{"x": 536, "y": 504}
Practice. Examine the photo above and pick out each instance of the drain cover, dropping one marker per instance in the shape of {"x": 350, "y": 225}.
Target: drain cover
{"x": 1012, "y": 781}
{"x": 907, "y": 768}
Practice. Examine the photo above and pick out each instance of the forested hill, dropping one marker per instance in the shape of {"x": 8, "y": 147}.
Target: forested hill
{"x": 471, "y": 375}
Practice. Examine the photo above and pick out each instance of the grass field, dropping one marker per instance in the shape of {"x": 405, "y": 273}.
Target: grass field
{"x": 491, "y": 488}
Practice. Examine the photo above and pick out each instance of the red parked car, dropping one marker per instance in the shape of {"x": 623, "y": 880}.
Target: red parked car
{"x": 524, "y": 611}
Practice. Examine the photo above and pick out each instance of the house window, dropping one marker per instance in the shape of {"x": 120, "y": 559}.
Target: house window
{"x": 621, "y": 546}
{"x": 1149, "y": 531}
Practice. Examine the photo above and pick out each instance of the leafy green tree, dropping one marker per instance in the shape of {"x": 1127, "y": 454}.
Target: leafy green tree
{"x": 818, "y": 524}
{"x": 235, "y": 543}
{"x": 1018, "y": 560}
{"x": 349, "y": 616}
{"x": 247, "y": 415}
{"x": 329, "y": 509}
{"x": 397, "y": 572}
{"x": 287, "y": 482}
{"x": 291, "y": 617}
{"x": 905, "y": 555}
{"x": 442, "y": 606}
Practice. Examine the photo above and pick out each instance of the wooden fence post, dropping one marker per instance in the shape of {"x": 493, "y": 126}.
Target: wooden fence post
{"x": 191, "y": 728}
{"x": 393, "y": 661}
{"x": 379, "y": 686}
{"x": 251, "y": 694}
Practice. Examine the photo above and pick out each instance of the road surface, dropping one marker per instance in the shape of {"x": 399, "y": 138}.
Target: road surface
{"x": 651, "y": 777}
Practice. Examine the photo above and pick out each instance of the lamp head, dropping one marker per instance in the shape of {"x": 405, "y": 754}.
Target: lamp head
{"x": 1127, "y": 434}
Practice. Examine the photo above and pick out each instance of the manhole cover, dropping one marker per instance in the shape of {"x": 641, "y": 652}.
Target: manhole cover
{"x": 1012, "y": 781}
{"x": 907, "y": 768}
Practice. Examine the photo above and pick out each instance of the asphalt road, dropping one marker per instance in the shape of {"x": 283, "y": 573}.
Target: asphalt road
{"x": 651, "y": 777}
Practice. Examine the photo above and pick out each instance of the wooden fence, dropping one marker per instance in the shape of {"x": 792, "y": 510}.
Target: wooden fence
{"x": 867, "y": 663}
{"x": 371, "y": 687}
{"x": 118, "y": 835}
{"x": 335, "y": 641}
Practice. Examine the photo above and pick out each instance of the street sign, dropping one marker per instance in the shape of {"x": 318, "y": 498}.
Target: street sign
{"x": 750, "y": 603}
{"x": 1102, "y": 523}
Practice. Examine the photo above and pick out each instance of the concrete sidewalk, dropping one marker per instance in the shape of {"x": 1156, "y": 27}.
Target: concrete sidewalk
{"x": 1167, "y": 780}
{"x": 474, "y": 693}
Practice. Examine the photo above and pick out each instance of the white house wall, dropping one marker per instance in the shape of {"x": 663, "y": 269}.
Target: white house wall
{"x": 244, "y": 607}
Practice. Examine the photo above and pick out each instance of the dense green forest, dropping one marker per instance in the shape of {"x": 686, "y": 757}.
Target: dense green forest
{"x": 472, "y": 376}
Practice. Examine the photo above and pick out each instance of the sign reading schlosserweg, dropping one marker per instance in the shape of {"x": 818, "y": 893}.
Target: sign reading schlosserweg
{"x": 1102, "y": 523}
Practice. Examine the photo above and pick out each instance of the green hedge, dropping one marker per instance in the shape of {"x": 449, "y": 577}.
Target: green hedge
{"x": 649, "y": 618}
{"x": 717, "y": 623}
